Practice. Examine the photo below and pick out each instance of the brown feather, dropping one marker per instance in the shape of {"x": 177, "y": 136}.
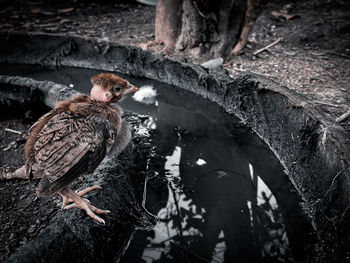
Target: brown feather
{"x": 70, "y": 141}
{"x": 57, "y": 150}
{"x": 36, "y": 128}
{"x": 122, "y": 139}
{"x": 108, "y": 79}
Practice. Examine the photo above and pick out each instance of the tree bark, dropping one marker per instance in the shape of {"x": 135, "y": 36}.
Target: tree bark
{"x": 254, "y": 9}
{"x": 168, "y": 17}
{"x": 229, "y": 23}
{"x": 204, "y": 28}
{"x": 191, "y": 27}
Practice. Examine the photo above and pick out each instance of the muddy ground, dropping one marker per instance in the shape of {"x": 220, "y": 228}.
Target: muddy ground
{"x": 313, "y": 58}
{"x": 23, "y": 215}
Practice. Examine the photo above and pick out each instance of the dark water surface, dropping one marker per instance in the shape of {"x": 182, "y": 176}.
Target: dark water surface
{"x": 220, "y": 193}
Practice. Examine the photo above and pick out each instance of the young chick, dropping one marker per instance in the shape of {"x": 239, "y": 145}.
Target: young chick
{"x": 73, "y": 138}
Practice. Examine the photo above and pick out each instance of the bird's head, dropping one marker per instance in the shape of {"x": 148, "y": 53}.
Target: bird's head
{"x": 110, "y": 88}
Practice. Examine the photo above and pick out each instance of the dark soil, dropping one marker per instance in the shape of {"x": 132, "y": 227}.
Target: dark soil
{"x": 23, "y": 215}
{"x": 117, "y": 22}
{"x": 313, "y": 58}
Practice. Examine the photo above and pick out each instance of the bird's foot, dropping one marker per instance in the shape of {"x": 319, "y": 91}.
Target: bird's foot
{"x": 86, "y": 190}
{"x": 66, "y": 199}
{"x": 89, "y": 209}
{"x": 69, "y": 195}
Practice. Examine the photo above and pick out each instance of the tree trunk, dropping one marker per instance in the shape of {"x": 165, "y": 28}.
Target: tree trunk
{"x": 254, "y": 9}
{"x": 167, "y": 22}
{"x": 191, "y": 27}
{"x": 204, "y": 28}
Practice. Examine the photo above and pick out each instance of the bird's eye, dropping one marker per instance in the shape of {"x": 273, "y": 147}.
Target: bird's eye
{"x": 117, "y": 88}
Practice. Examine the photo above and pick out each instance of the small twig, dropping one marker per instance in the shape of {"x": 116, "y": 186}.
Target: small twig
{"x": 46, "y": 25}
{"x": 330, "y": 189}
{"x": 228, "y": 63}
{"x": 199, "y": 11}
{"x": 189, "y": 251}
{"x": 338, "y": 54}
{"x": 327, "y": 104}
{"x": 344, "y": 116}
{"x": 268, "y": 46}
{"x": 343, "y": 214}
{"x": 13, "y": 131}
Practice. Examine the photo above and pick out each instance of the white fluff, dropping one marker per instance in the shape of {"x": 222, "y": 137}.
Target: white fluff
{"x": 200, "y": 162}
{"x": 146, "y": 94}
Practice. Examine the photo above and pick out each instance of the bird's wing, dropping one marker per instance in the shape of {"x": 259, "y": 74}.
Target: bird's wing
{"x": 122, "y": 139}
{"x": 68, "y": 146}
{"x": 37, "y": 123}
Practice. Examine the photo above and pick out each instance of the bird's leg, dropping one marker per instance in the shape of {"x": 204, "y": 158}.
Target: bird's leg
{"x": 82, "y": 203}
{"x": 66, "y": 199}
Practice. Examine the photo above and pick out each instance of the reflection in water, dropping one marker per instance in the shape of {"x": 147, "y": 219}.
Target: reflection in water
{"x": 219, "y": 192}
{"x": 200, "y": 232}
{"x": 211, "y": 192}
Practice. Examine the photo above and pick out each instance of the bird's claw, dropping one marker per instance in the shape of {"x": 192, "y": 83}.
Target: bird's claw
{"x": 67, "y": 200}
{"x": 83, "y": 203}
{"x": 89, "y": 209}
{"x": 85, "y": 191}
{"x": 63, "y": 206}
{"x": 87, "y": 200}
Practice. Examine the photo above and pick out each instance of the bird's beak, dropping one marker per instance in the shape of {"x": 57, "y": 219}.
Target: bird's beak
{"x": 131, "y": 89}
{"x": 121, "y": 95}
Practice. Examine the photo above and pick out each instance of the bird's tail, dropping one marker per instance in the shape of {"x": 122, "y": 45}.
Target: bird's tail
{"x": 42, "y": 186}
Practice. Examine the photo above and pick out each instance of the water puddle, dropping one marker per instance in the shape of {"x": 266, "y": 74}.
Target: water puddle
{"x": 220, "y": 193}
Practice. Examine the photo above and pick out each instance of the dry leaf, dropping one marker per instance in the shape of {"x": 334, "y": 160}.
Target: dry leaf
{"x": 283, "y": 14}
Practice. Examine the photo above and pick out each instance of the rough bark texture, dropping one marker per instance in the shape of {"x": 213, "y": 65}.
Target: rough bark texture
{"x": 205, "y": 28}
{"x": 191, "y": 27}
{"x": 314, "y": 149}
{"x": 167, "y": 25}
{"x": 254, "y": 8}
